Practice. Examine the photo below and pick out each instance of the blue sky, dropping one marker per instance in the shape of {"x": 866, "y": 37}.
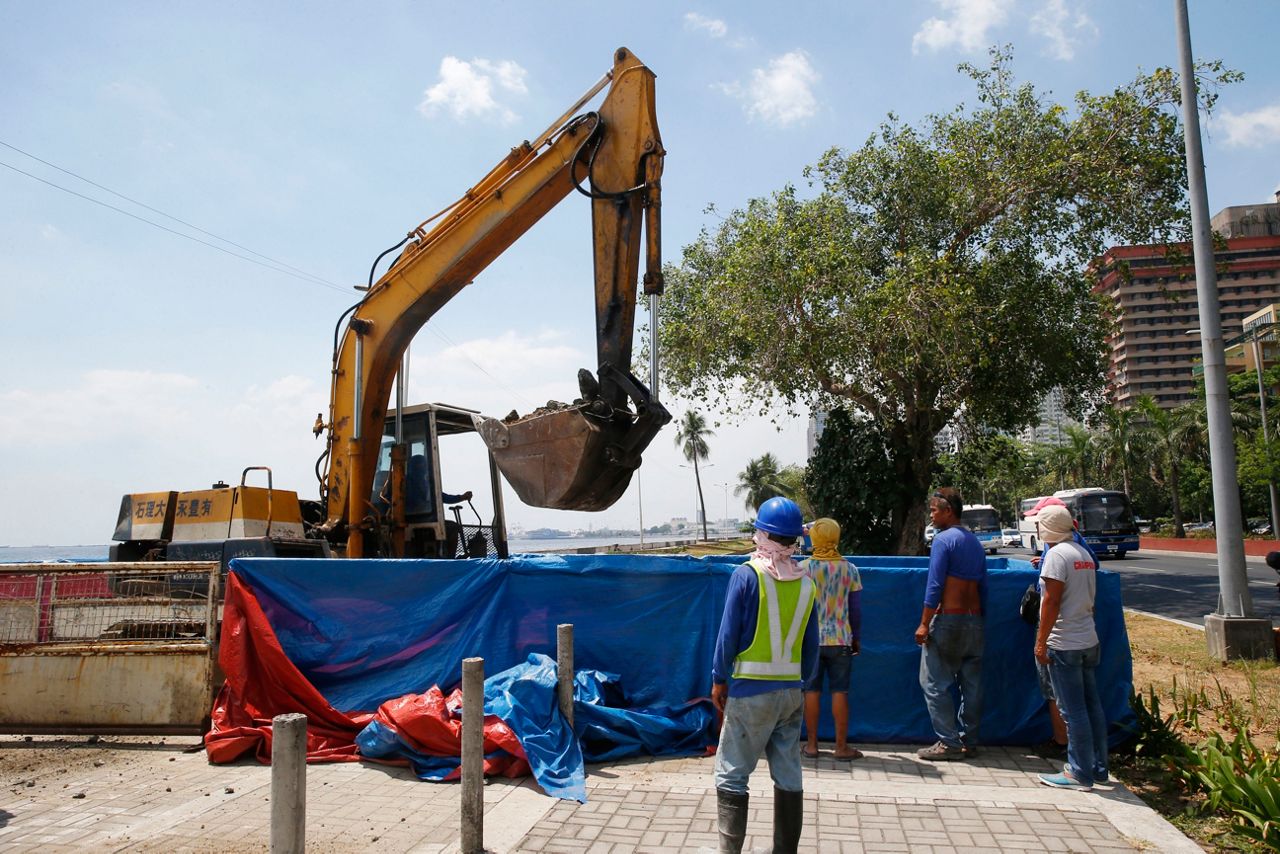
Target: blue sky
{"x": 318, "y": 134}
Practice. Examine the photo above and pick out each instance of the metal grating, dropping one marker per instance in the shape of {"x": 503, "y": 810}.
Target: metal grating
{"x": 79, "y": 603}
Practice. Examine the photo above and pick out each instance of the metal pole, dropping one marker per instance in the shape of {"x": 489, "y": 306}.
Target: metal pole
{"x": 402, "y": 377}
{"x": 357, "y": 388}
{"x": 653, "y": 346}
{"x": 472, "y": 755}
{"x": 640, "y": 505}
{"x": 564, "y": 670}
{"x": 288, "y": 784}
{"x": 1232, "y": 580}
{"x": 1266, "y": 439}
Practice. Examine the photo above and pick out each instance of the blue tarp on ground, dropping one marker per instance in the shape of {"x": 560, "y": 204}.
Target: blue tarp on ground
{"x": 365, "y": 631}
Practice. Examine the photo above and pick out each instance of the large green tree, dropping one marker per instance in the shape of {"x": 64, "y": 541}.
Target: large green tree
{"x": 851, "y": 479}
{"x": 934, "y": 271}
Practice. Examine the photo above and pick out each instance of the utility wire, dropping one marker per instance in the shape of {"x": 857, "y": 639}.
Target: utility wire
{"x": 499, "y": 383}
{"x": 192, "y": 226}
{"x": 303, "y": 277}
{"x": 273, "y": 265}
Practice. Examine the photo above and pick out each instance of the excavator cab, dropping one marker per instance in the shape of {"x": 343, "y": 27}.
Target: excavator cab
{"x": 429, "y": 528}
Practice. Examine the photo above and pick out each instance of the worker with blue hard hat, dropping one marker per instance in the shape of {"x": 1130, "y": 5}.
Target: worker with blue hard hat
{"x": 766, "y": 648}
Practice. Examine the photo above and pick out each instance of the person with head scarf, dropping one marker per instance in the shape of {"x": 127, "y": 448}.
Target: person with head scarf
{"x": 1067, "y": 641}
{"x": 1056, "y": 746}
{"x": 766, "y": 648}
{"x": 839, "y": 595}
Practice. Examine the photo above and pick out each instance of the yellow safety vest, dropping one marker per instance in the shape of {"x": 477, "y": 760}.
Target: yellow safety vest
{"x": 784, "y": 611}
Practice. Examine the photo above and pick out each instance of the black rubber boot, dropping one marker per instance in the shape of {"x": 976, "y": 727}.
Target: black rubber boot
{"x": 731, "y": 811}
{"x": 788, "y": 820}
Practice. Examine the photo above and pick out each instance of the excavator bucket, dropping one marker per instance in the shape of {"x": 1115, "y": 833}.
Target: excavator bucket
{"x": 577, "y": 457}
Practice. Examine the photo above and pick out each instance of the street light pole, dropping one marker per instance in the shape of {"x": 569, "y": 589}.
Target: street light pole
{"x": 1231, "y": 632}
{"x": 1266, "y": 439}
{"x": 725, "y": 486}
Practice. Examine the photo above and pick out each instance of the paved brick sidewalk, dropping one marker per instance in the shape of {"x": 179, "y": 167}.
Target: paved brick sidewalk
{"x": 164, "y": 799}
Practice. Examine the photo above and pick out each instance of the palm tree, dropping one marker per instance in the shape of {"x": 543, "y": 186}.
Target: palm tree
{"x": 1115, "y": 441}
{"x": 1172, "y": 433}
{"x": 760, "y": 480}
{"x": 1078, "y": 453}
{"x": 691, "y": 438}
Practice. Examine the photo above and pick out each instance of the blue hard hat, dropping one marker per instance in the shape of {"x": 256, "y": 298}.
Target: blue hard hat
{"x": 780, "y": 516}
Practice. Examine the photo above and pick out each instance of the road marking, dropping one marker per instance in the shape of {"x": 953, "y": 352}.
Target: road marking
{"x": 1163, "y": 587}
{"x": 1163, "y": 617}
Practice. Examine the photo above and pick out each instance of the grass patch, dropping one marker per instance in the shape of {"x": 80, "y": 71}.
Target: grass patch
{"x": 1215, "y": 708}
{"x": 1175, "y": 661}
{"x": 714, "y": 547}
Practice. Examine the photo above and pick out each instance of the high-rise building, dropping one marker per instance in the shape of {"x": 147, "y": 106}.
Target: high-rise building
{"x": 1051, "y": 429}
{"x": 1156, "y": 340}
{"x": 817, "y": 423}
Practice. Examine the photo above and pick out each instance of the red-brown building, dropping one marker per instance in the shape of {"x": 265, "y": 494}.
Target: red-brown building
{"x": 1156, "y": 340}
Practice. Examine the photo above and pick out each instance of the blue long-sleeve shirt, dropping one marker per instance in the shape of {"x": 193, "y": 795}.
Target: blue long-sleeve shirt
{"x": 738, "y": 629}
{"x": 958, "y": 553}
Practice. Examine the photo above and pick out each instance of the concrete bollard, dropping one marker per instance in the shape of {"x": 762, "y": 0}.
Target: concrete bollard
{"x": 472, "y": 755}
{"x": 564, "y": 670}
{"x": 288, "y": 784}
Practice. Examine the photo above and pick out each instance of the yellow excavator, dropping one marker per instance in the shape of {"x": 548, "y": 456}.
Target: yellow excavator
{"x": 380, "y": 485}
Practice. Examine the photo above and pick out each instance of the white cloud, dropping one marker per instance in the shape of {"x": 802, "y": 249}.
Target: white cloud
{"x": 1063, "y": 27}
{"x": 103, "y": 405}
{"x": 467, "y": 89}
{"x": 782, "y": 93}
{"x": 713, "y": 27}
{"x": 82, "y": 445}
{"x": 51, "y": 232}
{"x": 965, "y": 25}
{"x": 1253, "y": 129}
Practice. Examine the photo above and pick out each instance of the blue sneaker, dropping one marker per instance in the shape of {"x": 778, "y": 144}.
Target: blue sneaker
{"x": 1064, "y": 781}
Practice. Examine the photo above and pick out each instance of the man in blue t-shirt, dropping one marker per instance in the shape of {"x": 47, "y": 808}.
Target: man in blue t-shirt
{"x": 950, "y": 634}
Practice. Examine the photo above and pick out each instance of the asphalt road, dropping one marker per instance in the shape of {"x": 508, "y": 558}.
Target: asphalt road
{"x": 1182, "y": 587}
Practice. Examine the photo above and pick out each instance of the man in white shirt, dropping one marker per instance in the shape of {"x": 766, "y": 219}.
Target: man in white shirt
{"x": 1067, "y": 641}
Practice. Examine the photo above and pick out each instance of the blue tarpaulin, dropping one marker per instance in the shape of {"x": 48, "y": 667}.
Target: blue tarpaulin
{"x": 365, "y": 631}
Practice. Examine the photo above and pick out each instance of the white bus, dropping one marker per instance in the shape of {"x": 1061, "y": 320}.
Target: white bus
{"x": 1104, "y": 518}
{"x": 1027, "y": 524}
{"x": 984, "y": 521}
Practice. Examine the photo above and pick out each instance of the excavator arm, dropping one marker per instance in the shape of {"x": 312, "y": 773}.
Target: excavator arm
{"x": 580, "y": 457}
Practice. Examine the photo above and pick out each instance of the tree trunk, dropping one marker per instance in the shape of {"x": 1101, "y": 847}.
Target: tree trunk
{"x": 915, "y": 515}
{"x": 1178, "y": 530}
{"x": 914, "y": 467}
{"x": 697, "y": 478}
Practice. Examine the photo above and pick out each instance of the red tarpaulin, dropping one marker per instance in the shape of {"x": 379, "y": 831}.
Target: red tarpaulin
{"x": 261, "y": 683}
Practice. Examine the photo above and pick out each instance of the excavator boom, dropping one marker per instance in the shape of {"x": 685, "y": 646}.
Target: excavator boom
{"x": 576, "y": 458}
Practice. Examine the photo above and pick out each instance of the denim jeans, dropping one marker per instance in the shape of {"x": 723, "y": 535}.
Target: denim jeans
{"x": 765, "y": 723}
{"x": 1072, "y": 672}
{"x": 953, "y": 655}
